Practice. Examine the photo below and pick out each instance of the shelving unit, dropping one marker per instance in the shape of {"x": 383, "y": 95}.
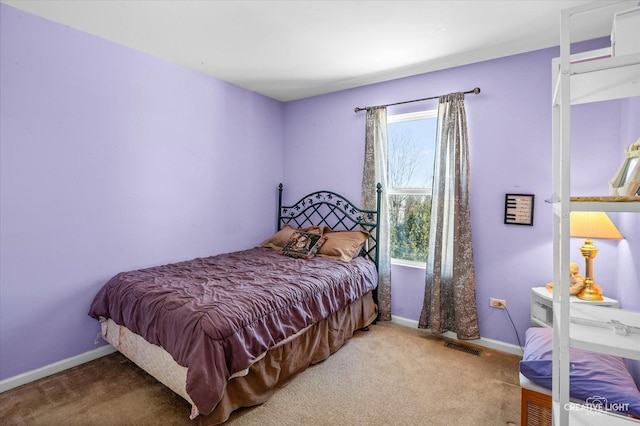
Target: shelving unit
{"x": 587, "y": 77}
{"x": 542, "y": 306}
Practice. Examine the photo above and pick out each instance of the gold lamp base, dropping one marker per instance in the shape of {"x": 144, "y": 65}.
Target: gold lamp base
{"x": 591, "y": 292}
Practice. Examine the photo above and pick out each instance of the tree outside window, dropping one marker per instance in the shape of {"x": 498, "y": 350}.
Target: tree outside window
{"x": 411, "y": 153}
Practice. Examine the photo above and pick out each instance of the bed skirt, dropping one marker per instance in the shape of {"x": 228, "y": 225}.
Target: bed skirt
{"x": 272, "y": 370}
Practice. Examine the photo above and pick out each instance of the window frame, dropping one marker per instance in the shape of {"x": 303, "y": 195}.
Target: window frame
{"x": 398, "y": 118}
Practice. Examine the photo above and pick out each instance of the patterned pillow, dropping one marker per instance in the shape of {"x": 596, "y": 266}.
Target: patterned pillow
{"x": 280, "y": 238}
{"x": 303, "y": 245}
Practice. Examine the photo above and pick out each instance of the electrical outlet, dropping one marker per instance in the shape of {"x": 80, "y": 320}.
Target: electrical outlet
{"x": 497, "y": 303}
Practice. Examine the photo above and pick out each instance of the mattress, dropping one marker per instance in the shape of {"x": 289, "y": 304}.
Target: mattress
{"x": 600, "y": 380}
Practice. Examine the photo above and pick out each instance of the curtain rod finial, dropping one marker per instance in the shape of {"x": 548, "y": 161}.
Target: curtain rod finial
{"x": 476, "y": 90}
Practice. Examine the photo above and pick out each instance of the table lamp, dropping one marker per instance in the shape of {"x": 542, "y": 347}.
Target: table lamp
{"x": 591, "y": 225}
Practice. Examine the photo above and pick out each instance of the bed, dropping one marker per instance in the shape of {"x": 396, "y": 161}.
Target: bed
{"x": 226, "y": 331}
{"x": 600, "y": 383}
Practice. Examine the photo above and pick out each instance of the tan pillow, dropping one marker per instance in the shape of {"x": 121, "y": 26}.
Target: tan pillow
{"x": 343, "y": 245}
{"x": 280, "y": 238}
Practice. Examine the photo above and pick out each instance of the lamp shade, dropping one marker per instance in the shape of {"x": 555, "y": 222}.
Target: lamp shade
{"x": 593, "y": 225}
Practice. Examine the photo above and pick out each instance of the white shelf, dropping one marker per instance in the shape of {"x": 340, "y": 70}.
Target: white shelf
{"x": 598, "y": 333}
{"x": 606, "y": 206}
{"x": 597, "y": 76}
{"x": 598, "y": 203}
{"x": 596, "y": 206}
{"x": 537, "y": 323}
{"x": 584, "y": 78}
{"x": 591, "y": 83}
{"x": 542, "y": 305}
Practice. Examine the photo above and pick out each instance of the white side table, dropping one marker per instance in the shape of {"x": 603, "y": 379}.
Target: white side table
{"x": 542, "y": 306}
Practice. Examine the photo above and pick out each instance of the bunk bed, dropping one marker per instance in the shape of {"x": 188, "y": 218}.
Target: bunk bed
{"x": 226, "y": 331}
{"x": 605, "y": 334}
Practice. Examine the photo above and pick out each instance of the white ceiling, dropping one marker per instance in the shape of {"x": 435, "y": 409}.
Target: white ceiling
{"x": 295, "y": 49}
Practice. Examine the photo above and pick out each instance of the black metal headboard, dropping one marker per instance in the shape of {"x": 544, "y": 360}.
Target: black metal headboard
{"x": 326, "y": 208}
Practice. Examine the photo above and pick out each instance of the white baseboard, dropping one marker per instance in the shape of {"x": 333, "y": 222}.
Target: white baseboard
{"x": 487, "y": 343}
{"x": 56, "y": 367}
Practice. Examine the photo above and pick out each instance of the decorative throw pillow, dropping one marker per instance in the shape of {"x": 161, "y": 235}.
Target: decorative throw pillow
{"x": 343, "y": 245}
{"x": 304, "y": 245}
{"x": 280, "y": 238}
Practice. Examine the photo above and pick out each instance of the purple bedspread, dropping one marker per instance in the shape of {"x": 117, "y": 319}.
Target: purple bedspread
{"x": 214, "y": 315}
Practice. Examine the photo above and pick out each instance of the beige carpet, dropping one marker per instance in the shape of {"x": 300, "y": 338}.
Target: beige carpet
{"x": 390, "y": 375}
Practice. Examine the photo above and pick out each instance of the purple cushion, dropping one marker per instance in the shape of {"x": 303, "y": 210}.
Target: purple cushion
{"x": 600, "y": 379}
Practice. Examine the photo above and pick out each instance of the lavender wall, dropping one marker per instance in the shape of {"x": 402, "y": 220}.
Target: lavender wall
{"x": 510, "y": 142}
{"x": 111, "y": 159}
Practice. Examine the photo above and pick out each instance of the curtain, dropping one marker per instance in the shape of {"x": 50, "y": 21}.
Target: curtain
{"x": 375, "y": 171}
{"x": 449, "y": 299}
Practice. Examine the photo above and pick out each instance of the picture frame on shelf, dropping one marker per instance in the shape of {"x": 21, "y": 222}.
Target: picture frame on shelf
{"x": 626, "y": 181}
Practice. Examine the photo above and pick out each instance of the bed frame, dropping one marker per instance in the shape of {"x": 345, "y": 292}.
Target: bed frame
{"x": 333, "y": 210}
{"x": 283, "y": 362}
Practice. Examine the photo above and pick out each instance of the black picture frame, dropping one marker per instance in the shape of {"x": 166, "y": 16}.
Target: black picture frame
{"x": 518, "y": 209}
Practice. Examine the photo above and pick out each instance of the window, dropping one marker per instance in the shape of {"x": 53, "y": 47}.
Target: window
{"x": 411, "y": 153}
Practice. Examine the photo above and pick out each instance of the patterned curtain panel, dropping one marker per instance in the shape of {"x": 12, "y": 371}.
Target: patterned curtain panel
{"x": 375, "y": 170}
{"x": 450, "y": 299}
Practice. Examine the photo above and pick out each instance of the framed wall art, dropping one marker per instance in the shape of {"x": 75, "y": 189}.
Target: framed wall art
{"x": 518, "y": 209}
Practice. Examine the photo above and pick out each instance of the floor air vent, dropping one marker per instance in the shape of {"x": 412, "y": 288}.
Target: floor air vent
{"x": 463, "y": 348}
